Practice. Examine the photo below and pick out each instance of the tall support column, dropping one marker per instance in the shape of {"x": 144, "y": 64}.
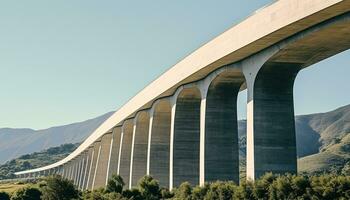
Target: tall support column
{"x": 220, "y": 136}
{"x": 77, "y": 170}
{"x": 271, "y": 120}
{"x": 114, "y": 160}
{"x": 89, "y": 158}
{"x": 109, "y": 157}
{"x": 93, "y": 163}
{"x": 71, "y": 170}
{"x": 159, "y": 142}
{"x": 270, "y": 115}
{"x": 81, "y": 171}
{"x": 97, "y": 163}
{"x": 101, "y": 168}
{"x": 125, "y": 154}
{"x": 139, "y": 147}
{"x": 186, "y": 138}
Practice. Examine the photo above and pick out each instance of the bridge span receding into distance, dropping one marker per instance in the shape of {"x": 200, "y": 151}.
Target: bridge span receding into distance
{"x": 183, "y": 126}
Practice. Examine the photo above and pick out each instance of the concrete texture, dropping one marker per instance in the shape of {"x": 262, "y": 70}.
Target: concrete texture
{"x": 89, "y": 157}
{"x": 160, "y": 143}
{"x": 274, "y": 126}
{"x": 139, "y": 155}
{"x": 113, "y": 166}
{"x": 125, "y": 154}
{"x": 186, "y": 137}
{"x": 221, "y": 131}
{"x": 93, "y": 163}
{"x": 101, "y": 170}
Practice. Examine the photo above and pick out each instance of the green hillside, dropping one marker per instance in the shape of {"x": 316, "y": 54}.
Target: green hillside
{"x": 34, "y": 160}
{"x": 334, "y": 154}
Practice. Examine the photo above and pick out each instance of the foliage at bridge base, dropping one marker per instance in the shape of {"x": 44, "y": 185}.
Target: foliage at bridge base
{"x": 269, "y": 187}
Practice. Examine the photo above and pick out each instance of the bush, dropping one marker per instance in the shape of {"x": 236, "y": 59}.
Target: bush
{"x": 58, "y": 188}
{"x": 184, "y": 192}
{"x": 115, "y": 184}
{"x": 133, "y": 194}
{"x": 4, "y": 196}
{"x": 149, "y": 188}
{"x": 220, "y": 190}
{"x": 28, "y": 193}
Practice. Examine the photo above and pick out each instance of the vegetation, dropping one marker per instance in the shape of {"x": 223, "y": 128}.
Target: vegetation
{"x": 35, "y": 160}
{"x": 268, "y": 187}
{"x": 58, "y": 188}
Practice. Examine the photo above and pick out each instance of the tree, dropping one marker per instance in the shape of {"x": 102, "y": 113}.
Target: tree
{"x": 221, "y": 191}
{"x": 58, "y": 188}
{"x": 184, "y": 192}
{"x": 149, "y": 188}
{"x": 261, "y": 186}
{"x": 115, "y": 184}
{"x": 28, "y": 193}
{"x": 4, "y": 196}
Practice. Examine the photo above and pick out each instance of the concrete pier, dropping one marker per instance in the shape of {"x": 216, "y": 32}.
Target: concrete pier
{"x": 125, "y": 154}
{"x": 101, "y": 170}
{"x": 186, "y": 137}
{"x": 160, "y": 143}
{"x": 140, "y": 145}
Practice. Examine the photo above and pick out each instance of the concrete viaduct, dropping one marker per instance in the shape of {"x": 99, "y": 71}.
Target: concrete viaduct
{"x": 183, "y": 126}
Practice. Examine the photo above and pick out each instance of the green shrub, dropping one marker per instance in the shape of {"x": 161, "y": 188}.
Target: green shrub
{"x": 28, "y": 193}
{"x": 58, "y": 188}
{"x": 149, "y": 188}
{"x": 115, "y": 184}
{"x": 4, "y": 196}
{"x": 183, "y": 192}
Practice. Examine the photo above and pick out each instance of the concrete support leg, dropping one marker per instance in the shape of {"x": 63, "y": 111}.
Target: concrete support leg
{"x": 221, "y": 130}
{"x": 81, "y": 171}
{"x": 97, "y": 163}
{"x": 140, "y": 144}
{"x": 125, "y": 154}
{"x": 92, "y": 170}
{"x": 271, "y": 143}
{"x": 114, "y": 157}
{"x": 101, "y": 170}
{"x": 88, "y": 167}
{"x": 160, "y": 143}
{"x": 186, "y": 137}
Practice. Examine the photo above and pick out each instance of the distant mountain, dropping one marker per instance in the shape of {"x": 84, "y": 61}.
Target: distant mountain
{"x": 16, "y": 142}
{"x": 334, "y": 131}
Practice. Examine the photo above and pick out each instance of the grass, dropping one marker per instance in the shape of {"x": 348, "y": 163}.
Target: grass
{"x": 12, "y": 187}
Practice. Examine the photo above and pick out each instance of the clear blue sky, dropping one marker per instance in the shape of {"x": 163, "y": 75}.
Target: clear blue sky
{"x": 67, "y": 61}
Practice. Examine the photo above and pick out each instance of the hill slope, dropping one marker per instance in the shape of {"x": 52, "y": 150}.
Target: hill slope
{"x": 16, "y": 142}
{"x": 34, "y": 160}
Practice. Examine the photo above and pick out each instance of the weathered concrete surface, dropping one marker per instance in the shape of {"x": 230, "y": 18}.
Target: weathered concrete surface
{"x": 273, "y": 115}
{"x": 101, "y": 171}
{"x": 113, "y": 166}
{"x": 140, "y": 147}
{"x": 221, "y": 131}
{"x": 186, "y": 137}
{"x": 89, "y": 157}
{"x": 125, "y": 157}
{"x": 160, "y": 143}
{"x": 92, "y": 170}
